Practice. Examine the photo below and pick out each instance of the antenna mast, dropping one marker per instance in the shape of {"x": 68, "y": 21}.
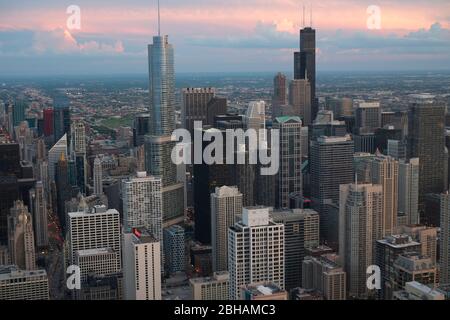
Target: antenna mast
{"x": 303, "y": 23}
{"x": 159, "y": 22}
{"x": 310, "y": 17}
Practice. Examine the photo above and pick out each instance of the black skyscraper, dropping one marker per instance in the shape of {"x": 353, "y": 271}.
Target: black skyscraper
{"x": 305, "y": 64}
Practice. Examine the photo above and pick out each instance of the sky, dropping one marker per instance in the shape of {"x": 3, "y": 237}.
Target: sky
{"x": 222, "y": 35}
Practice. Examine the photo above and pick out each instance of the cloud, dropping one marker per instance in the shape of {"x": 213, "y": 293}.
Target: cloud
{"x": 264, "y": 36}
{"x": 435, "y": 39}
{"x": 61, "y": 41}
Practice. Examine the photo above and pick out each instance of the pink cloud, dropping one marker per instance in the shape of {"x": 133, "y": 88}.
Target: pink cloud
{"x": 62, "y": 41}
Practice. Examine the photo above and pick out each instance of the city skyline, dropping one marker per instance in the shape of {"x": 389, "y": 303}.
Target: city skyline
{"x": 352, "y": 203}
{"x": 111, "y": 38}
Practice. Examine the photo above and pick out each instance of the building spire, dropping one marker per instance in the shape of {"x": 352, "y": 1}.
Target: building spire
{"x": 159, "y": 21}
{"x": 311, "y": 16}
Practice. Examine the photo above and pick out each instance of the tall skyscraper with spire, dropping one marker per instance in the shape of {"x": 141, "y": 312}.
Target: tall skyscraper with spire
{"x": 305, "y": 62}
{"x": 158, "y": 144}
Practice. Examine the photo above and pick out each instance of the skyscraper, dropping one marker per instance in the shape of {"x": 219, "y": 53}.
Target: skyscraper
{"x": 290, "y": 174}
{"x": 48, "y": 122}
{"x": 367, "y": 117}
{"x": 300, "y": 99}
{"x": 98, "y": 177}
{"x": 174, "y": 244}
{"x": 195, "y": 106}
{"x": 63, "y": 189}
{"x": 141, "y": 266}
{"x": 142, "y": 204}
{"x": 94, "y": 230}
{"x": 279, "y": 91}
{"x": 331, "y": 164}
{"x": 408, "y": 190}
{"x": 19, "y": 109}
{"x": 255, "y": 251}
{"x": 55, "y": 154}
{"x": 226, "y": 209}
{"x": 326, "y": 276}
{"x": 39, "y": 212}
{"x": 305, "y": 64}
{"x": 386, "y": 253}
{"x": 445, "y": 240}
{"x": 360, "y": 225}
{"x": 21, "y": 237}
{"x": 61, "y": 120}
{"x": 426, "y": 141}
{"x": 79, "y": 136}
{"x": 384, "y": 171}
{"x": 301, "y": 231}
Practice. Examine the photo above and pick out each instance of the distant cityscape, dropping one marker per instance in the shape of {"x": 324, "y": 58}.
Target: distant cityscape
{"x": 93, "y": 207}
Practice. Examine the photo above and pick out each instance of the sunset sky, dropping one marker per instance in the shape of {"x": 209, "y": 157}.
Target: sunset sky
{"x": 225, "y": 35}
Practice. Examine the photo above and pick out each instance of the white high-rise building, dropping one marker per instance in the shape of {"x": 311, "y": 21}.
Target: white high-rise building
{"x": 360, "y": 226}
{"x": 142, "y": 204}
{"x": 55, "y": 154}
{"x": 255, "y": 251}
{"x": 39, "y": 213}
{"x": 96, "y": 230}
{"x": 226, "y": 209}
{"x": 98, "y": 177}
{"x": 408, "y": 190}
{"x": 141, "y": 266}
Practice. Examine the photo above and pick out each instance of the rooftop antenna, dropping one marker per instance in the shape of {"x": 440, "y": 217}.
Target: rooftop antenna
{"x": 310, "y": 17}
{"x": 159, "y": 22}
{"x": 303, "y": 16}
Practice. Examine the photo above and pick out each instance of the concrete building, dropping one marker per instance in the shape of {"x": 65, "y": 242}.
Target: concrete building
{"x": 211, "y": 288}
{"x": 21, "y": 237}
{"x": 417, "y": 291}
{"x": 23, "y": 285}
{"x": 142, "y": 204}
{"x": 263, "y": 291}
{"x": 226, "y": 210}
{"x": 94, "y": 230}
{"x": 255, "y": 251}
{"x": 413, "y": 267}
{"x": 323, "y": 275}
{"x": 384, "y": 172}
{"x": 141, "y": 266}
{"x": 99, "y": 262}
{"x": 360, "y": 225}
{"x": 386, "y": 254}
{"x": 408, "y": 190}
